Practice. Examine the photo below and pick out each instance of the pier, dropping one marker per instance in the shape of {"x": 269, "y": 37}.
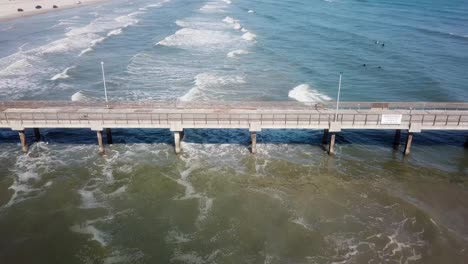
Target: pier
{"x": 411, "y": 117}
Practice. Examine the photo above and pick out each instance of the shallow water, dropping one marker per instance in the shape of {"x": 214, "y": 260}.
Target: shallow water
{"x": 216, "y": 203}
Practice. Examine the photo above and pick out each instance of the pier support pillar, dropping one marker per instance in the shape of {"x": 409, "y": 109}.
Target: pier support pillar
{"x": 396, "y": 140}
{"x": 37, "y": 134}
{"x": 100, "y": 143}
{"x": 182, "y": 135}
{"x": 331, "y": 146}
{"x": 109, "y": 136}
{"x": 409, "y": 140}
{"x": 325, "y": 137}
{"x": 24, "y": 143}
{"x": 177, "y": 139}
{"x": 253, "y": 142}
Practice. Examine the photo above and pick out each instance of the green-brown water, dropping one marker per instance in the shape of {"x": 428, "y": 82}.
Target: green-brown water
{"x": 216, "y": 203}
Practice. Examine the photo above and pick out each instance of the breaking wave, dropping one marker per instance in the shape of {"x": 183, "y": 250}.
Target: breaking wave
{"x": 62, "y": 75}
{"x": 305, "y": 93}
{"x": 196, "y": 38}
{"x": 208, "y": 85}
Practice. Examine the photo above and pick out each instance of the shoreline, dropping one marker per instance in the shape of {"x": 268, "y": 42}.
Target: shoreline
{"x": 8, "y": 8}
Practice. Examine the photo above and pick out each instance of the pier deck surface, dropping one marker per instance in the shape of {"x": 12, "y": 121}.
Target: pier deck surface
{"x": 415, "y": 116}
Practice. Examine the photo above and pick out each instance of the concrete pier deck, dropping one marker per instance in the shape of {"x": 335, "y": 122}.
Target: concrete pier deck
{"x": 255, "y": 116}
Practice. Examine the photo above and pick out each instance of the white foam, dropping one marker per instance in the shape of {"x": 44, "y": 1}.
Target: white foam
{"x": 249, "y": 36}
{"x": 214, "y": 7}
{"x": 28, "y": 170}
{"x": 88, "y": 229}
{"x": 85, "y": 51}
{"x": 88, "y": 199}
{"x": 115, "y": 32}
{"x": 80, "y": 97}
{"x": 251, "y": 11}
{"x": 20, "y": 66}
{"x": 234, "y": 22}
{"x": 230, "y": 20}
{"x": 204, "y": 205}
{"x": 188, "y": 258}
{"x": 62, "y": 75}
{"x": 237, "y": 26}
{"x": 237, "y": 53}
{"x": 305, "y": 93}
{"x": 209, "y": 84}
{"x": 197, "y": 38}
{"x": 302, "y": 222}
{"x": 177, "y": 237}
{"x": 155, "y": 5}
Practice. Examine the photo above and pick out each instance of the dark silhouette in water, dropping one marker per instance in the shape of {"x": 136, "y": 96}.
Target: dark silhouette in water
{"x": 364, "y": 65}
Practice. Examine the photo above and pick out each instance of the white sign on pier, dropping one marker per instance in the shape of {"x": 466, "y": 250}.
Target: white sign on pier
{"x": 391, "y": 119}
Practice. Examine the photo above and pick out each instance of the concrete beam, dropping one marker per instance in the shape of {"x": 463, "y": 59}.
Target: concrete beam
{"x": 100, "y": 143}
{"x": 253, "y": 142}
{"x": 109, "y": 136}
{"x": 409, "y": 141}
{"x": 331, "y": 146}
{"x": 24, "y": 143}
{"x": 397, "y": 139}
{"x": 415, "y": 128}
{"x": 37, "y": 134}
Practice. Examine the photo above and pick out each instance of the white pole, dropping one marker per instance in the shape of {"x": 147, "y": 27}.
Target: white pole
{"x": 104, "y": 81}
{"x": 338, "y": 99}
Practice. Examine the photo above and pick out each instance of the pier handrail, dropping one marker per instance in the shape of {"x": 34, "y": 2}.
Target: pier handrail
{"x": 245, "y": 104}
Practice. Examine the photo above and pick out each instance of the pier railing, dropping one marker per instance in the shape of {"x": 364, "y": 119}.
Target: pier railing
{"x": 255, "y": 116}
{"x": 240, "y": 117}
{"x": 443, "y": 106}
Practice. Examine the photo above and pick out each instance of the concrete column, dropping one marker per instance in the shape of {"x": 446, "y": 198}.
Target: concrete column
{"x": 396, "y": 140}
{"x": 109, "y": 136}
{"x": 331, "y": 146}
{"x": 101, "y": 145}
{"x": 177, "y": 139}
{"x": 409, "y": 140}
{"x": 182, "y": 135}
{"x": 253, "y": 141}
{"x": 325, "y": 137}
{"x": 24, "y": 143}
{"x": 37, "y": 134}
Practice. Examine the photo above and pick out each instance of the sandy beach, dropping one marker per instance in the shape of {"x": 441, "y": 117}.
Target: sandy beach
{"x": 9, "y": 8}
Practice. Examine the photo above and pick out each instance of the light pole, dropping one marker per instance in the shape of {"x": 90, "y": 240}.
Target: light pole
{"x": 104, "y": 81}
{"x": 338, "y": 99}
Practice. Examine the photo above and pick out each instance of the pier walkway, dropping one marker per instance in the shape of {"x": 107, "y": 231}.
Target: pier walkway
{"x": 413, "y": 117}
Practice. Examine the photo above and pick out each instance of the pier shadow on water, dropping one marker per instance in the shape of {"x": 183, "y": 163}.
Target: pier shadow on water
{"x": 238, "y": 136}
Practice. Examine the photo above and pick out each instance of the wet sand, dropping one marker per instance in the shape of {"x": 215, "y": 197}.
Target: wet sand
{"x": 9, "y": 8}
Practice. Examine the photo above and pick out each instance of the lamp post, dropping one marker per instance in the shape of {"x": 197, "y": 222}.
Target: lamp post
{"x": 338, "y": 99}
{"x": 104, "y": 82}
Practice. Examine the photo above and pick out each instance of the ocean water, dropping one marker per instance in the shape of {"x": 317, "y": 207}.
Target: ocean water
{"x": 216, "y": 203}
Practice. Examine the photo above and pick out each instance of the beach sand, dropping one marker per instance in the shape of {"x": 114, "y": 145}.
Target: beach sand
{"x": 9, "y": 8}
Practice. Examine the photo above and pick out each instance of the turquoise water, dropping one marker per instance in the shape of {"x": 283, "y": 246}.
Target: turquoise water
{"x": 216, "y": 203}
